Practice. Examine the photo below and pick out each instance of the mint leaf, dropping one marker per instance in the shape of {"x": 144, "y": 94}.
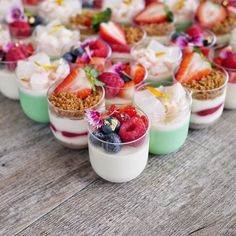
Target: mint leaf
{"x": 101, "y": 17}
{"x": 169, "y": 14}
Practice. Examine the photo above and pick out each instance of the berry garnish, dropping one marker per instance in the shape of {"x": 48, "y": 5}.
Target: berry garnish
{"x": 98, "y": 135}
{"x": 132, "y": 129}
{"x": 20, "y": 29}
{"x": 113, "y": 145}
{"x": 130, "y": 110}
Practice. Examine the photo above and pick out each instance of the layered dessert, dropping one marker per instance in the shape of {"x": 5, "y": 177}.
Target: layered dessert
{"x": 217, "y": 17}
{"x": 207, "y": 83}
{"x": 123, "y": 11}
{"x": 121, "y": 38}
{"x": 226, "y": 58}
{"x": 32, "y": 5}
{"x": 34, "y": 76}
{"x": 168, "y": 109}
{"x": 54, "y": 38}
{"x": 68, "y": 101}
{"x": 118, "y": 143}
{"x": 159, "y": 60}
{"x": 4, "y": 35}
{"x": 92, "y": 51}
{"x": 193, "y": 36}
{"x": 157, "y": 20}
{"x": 60, "y": 10}
{"x": 10, "y": 54}
{"x": 89, "y": 20}
{"x": 120, "y": 81}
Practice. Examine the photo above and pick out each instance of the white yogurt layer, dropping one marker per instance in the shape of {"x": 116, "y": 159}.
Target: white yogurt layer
{"x": 165, "y": 113}
{"x": 59, "y": 9}
{"x": 37, "y": 73}
{"x": 55, "y": 39}
{"x": 123, "y": 11}
{"x": 4, "y": 36}
{"x": 222, "y": 40}
{"x": 121, "y": 167}
{"x": 232, "y": 40}
{"x": 230, "y": 100}
{"x": 199, "y": 105}
{"x": 157, "y": 58}
{"x": 8, "y": 84}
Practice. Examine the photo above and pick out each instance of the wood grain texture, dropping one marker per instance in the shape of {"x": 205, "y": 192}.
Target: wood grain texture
{"x": 46, "y": 189}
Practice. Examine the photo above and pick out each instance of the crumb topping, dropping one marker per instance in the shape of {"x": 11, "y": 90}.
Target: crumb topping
{"x": 160, "y": 29}
{"x": 133, "y": 34}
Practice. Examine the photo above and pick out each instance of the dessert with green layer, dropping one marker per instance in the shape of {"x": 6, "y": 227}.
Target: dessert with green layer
{"x": 34, "y": 76}
{"x": 168, "y": 108}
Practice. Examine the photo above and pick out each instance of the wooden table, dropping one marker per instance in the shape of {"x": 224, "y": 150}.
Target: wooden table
{"x": 46, "y": 189}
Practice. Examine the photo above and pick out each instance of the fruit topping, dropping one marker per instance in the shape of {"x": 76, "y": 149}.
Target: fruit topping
{"x": 193, "y": 67}
{"x": 112, "y": 33}
{"x": 230, "y": 61}
{"x": 112, "y": 143}
{"x": 225, "y": 57}
{"x": 20, "y": 29}
{"x": 210, "y": 13}
{"x": 110, "y": 125}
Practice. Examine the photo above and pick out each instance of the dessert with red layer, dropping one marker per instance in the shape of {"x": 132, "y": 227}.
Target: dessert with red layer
{"x": 68, "y": 100}
{"x": 120, "y": 81}
{"x": 121, "y": 38}
{"x": 88, "y": 21}
{"x": 207, "y": 83}
{"x": 226, "y": 58}
{"x": 218, "y": 17}
{"x": 9, "y": 55}
{"x": 92, "y": 51}
{"x": 157, "y": 20}
{"x": 118, "y": 142}
{"x": 31, "y": 5}
{"x": 193, "y": 36}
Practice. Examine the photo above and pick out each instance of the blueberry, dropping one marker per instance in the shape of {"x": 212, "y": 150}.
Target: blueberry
{"x": 87, "y": 3}
{"x": 113, "y": 143}
{"x": 98, "y": 135}
{"x": 69, "y": 57}
{"x": 175, "y": 35}
{"x": 35, "y": 20}
{"x": 206, "y": 42}
{"x": 78, "y": 52}
{"x": 126, "y": 78}
{"x": 110, "y": 125}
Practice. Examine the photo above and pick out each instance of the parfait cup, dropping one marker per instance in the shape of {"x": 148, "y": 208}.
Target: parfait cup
{"x": 168, "y": 135}
{"x": 70, "y": 127}
{"x": 122, "y": 166}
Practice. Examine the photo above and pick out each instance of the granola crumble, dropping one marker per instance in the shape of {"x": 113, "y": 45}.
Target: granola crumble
{"x": 133, "y": 34}
{"x": 161, "y": 29}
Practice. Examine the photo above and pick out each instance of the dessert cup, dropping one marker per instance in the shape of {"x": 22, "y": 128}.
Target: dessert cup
{"x": 8, "y": 84}
{"x": 208, "y": 104}
{"x": 125, "y": 164}
{"x": 162, "y": 68}
{"x": 168, "y": 132}
{"x": 70, "y": 128}
{"x": 32, "y": 7}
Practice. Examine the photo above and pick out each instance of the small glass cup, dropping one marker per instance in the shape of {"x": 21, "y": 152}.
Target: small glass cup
{"x": 123, "y": 166}
{"x": 70, "y": 128}
{"x": 161, "y": 76}
{"x": 32, "y": 6}
{"x": 169, "y": 135}
{"x": 207, "y": 105}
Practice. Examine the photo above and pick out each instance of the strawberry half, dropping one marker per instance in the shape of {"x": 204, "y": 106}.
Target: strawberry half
{"x": 153, "y": 13}
{"x": 193, "y": 67}
{"x": 84, "y": 93}
{"x": 67, "y": 82}
{"x": 112, "y": 33}
{"x": 209, "y": 14}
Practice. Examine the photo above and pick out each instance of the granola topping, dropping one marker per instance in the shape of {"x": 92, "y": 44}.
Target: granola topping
{"x": 133, "y": 34}
{"x": 160, "y": 29}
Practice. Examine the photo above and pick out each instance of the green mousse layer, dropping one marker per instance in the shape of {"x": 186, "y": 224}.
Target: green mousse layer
{"x": 35, "y": 107}
{"x": 165, "y": 142}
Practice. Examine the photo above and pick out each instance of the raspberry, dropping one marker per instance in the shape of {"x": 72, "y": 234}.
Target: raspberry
{"x": 194, "y": 31}
{"x": 132, "y": 129}
{"x": 145, "y": 120}
{"x": 99, "y": 48}
{"x": 120, "y": 48}
{"x": 130, "y": 110}
{"x": 230, "y": 61}
{"x": 113, "y": 83}
{"x": 20, "y": 29}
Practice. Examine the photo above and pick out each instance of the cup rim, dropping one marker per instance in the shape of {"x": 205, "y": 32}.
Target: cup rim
{"x": 124, "y": 143}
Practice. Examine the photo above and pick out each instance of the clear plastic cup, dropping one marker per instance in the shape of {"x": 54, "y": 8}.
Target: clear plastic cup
{"x": 121, "y": 166}
{"x": 168, "y": 135}
{"x": 70, "y": 128}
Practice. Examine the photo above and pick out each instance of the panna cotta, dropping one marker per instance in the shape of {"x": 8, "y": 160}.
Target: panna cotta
{"x": 68, "y": 101}
{"x": 54, "y": 38}
{"x": 159, "y": 60}
{"x": 34, "y": 76}
{"x": 118, "y": 143}
{"x": 168, "y": 109}
{"x": 120, "y": 80}
{"x": 208, "y": 86}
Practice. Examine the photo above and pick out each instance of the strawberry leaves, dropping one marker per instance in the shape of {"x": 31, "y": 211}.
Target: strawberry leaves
{"x": 101, "y": 17}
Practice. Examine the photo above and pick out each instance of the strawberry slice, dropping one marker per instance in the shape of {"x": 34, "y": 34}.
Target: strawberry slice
{"x": 67, "y": 82}
{"x": 127, "y": 91}
{"x": 112, "y": 33}
{"x": 153, "y": 13}
{"x": 120, "y": 48}
{"x": 139, "y": 73}
{"x": 193, "y": 67}
{"x": 84, "y": 93}
{"x": 209, "y": 14}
